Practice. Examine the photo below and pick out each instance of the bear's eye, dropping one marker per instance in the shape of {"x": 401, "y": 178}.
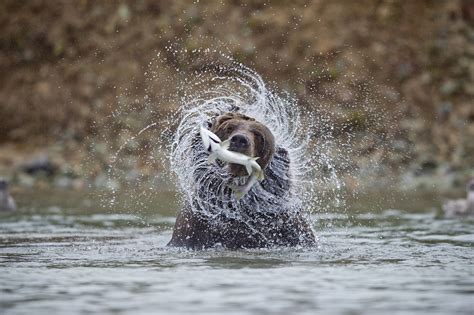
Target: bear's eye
{"x": 229, "y": 127}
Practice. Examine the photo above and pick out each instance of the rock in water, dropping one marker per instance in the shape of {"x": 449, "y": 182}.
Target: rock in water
{"x": 461, "y": 207}
{"x": 6, "y": 201}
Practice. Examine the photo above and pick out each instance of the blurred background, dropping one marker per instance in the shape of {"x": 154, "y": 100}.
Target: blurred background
{"x": 80, "y": 78}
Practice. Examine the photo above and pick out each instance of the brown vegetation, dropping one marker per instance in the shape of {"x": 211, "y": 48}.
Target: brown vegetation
{"x": 66, "y": 66}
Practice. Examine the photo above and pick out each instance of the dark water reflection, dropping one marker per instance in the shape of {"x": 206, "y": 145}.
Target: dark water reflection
{"x": 74, "y": 259}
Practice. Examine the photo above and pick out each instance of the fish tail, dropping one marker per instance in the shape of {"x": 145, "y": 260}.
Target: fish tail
{"x": 237, "y": 191}
{"x": 225, "y": 144}
{"x": 212, "y": 157}
{"x": 249, "y": 169}
{"x": 239, "y": 194}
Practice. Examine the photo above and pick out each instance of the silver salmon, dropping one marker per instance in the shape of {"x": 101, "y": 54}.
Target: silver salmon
{"x": 220, "y": 150}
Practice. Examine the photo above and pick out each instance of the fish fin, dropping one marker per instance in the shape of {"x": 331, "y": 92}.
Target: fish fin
{"x": 260, "y": 176}
{"x": 254, "y": 158}
{"x": 225, "y": 144}
{"x": 249, "y": 169}
{"x": 212, "y": 158}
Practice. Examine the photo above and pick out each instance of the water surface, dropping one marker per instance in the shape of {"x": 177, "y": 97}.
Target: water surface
{"x": 65, "y": 255}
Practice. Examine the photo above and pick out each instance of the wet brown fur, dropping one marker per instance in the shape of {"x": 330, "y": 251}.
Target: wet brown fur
{"x": 195, "y": 230}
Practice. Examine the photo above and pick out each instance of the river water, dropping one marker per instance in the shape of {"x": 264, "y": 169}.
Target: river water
{"x": 65, "y": 255}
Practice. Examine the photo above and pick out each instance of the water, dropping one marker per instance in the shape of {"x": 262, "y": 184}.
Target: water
{"x": 66, "y": 255}
{"x": 221, "y": 89}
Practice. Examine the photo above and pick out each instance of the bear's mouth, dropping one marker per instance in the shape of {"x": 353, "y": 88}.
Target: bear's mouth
{"x": 237, "y": 170}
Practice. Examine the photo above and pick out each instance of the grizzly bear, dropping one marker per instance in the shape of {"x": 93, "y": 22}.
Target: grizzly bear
{"x": 265, "y": 217}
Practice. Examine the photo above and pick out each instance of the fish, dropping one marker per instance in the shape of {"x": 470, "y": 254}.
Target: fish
{"x": 209, "y": 138}
{"x": 220, "y": 150}
{"x": 242, "y": 190}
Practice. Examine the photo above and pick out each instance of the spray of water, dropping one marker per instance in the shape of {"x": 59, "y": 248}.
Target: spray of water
{"x": 236, "y": 88}
{"x": 303, "y": 174}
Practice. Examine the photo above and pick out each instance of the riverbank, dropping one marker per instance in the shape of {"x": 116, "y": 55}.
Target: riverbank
{"x": 394, "y": 77}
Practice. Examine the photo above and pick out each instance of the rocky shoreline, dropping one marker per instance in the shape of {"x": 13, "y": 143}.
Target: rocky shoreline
{"x": 43, "y": 170}
{"x": 395, "y": 77}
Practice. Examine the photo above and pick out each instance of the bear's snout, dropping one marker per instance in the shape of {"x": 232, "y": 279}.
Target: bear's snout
{"x": 239, "y": 143}
{"x": 247, "y": 136}
{"x": 243, "y": 142}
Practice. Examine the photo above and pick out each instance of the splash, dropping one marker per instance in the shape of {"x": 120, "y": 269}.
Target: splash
{"x": 236, "y": 88}
{"x": 147, "y": 156}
